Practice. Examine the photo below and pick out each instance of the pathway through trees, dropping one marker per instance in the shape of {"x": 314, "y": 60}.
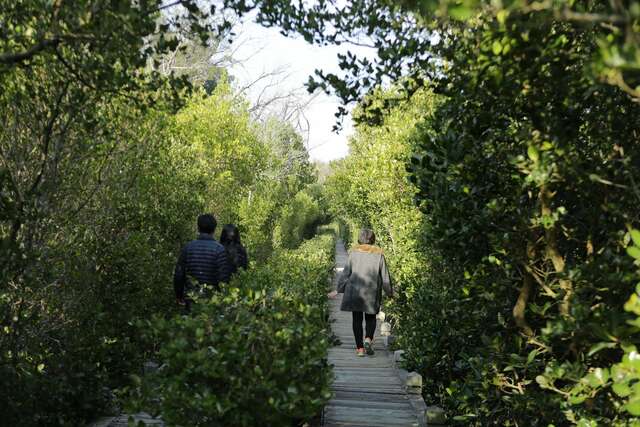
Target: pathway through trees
{"x": 367, "y": 390}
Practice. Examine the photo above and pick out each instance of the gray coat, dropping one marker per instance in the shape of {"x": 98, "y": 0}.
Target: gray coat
{"x": 363, "y": 279}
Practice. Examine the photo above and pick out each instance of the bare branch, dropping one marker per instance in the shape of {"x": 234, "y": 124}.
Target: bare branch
{"x": 48, "y": 131}
{"x": 169, "y": 5}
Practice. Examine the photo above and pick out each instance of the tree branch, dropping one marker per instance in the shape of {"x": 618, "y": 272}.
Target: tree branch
{"x": 521, "y": 305}
{"x": 14, "y": 58}
{"x": 591, "y": 18}
{"x": 48, "y": 131}
{"x": 169, "y": 6}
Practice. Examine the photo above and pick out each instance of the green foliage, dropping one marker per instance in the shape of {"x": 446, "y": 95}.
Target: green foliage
{"x": 80, "y": 278}
{"x": 258, "y": 213}
{"x": 91, "y": 227}
{"x": 525, "y": 196}
{"x": 101, "y": 46}
{"x": 290, "y": 160}
{"x": 513, "y": 273}
{"x": 619, "y": 382}
{"x": 298, "y": 220}
{"x": 524, "y": 175}
{"x": 283, "y": 208}
{"x": 404, "y": 34}
{"x": 224, "y": 152}
{"x": 252, "y": 354}
{"x": 370, "y": 189}
{"x": 84, "y": 245}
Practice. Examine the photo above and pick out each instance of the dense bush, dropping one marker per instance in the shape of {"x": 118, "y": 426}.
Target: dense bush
{"x": 527, "y": 182}
{"x": 223, "y": 149}
{"x": 525, "y": 175}
{"x": 253, "y": 354}
{"x": 298, "y": 220}
{"x": 512, "y": 266}
{"x": 93, "y": 250}
{"x": 99, "y": 252}
{"x": 623, "y": 376}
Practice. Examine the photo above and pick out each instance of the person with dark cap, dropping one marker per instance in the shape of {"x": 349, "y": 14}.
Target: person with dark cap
{"x": 204, "y": 260}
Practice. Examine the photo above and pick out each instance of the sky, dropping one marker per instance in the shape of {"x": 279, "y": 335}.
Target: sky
{"x": 260, "y": 50}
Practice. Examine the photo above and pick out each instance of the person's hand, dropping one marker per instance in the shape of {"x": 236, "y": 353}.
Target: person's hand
{"x": 332, "y": 294}
{"x": 180, "y": 301}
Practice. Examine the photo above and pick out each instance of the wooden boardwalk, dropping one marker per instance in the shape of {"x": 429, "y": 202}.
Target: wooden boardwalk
{"x": 367, "y": 390}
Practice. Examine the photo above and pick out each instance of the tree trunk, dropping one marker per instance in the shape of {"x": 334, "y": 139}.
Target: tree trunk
{"x": 553, "y": 254}
{"x": 521, "y": 304}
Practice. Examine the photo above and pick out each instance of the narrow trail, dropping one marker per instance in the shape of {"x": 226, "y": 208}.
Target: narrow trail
{"x": 367, "y": 390}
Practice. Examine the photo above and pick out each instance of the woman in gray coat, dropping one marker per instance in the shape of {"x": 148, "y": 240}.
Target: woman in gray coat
{"x": 364, "y": 277}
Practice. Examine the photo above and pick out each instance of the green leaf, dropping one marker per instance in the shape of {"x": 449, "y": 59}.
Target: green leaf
{"x": 635, "y": 236}
{"x": 633, "y": 304}
{"x": 496, "y": 47}
{"x": 576, "y": 400}
{"x": 621, "y": 389}
{"x": 533, "y": 154}
{"x": 634, "y": 251}
{"x": 542, "y": 381}
{"x": 596, "y": 378}
{"x": 502, "y": 16}
{"x": 633, "y": 407}
{"x": 600, "y": 346}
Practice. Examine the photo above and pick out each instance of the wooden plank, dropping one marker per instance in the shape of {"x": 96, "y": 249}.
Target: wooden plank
{"x": 370, "y": 416}
{"x": 342, "y": 372}
{"x": 334, "y": 423}
{"x": 362, "y": 379}
{"x": 369, "y": 395}
{"x": 347, "y": 363}
{"x": 379, "y": 391}
{"x": 363, "y": 369}
{"x": 398, "y": 405}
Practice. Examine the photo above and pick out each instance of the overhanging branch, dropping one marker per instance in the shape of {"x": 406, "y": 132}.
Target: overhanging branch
{"x": 14, "y": 58}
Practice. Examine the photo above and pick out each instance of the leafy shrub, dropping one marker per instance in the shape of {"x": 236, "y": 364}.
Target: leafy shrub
{"x": 619, "y": 382}
{"x": 95, "y": 250}
{"x": 298, "y": 220}
{"x": 525, "y": 195}
{"x": 523, "y": 180}
{"x": 66, "y": 310}
{"x": 252, "y": 354}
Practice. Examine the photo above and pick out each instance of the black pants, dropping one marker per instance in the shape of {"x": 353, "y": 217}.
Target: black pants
{"x": 370, "y": 320}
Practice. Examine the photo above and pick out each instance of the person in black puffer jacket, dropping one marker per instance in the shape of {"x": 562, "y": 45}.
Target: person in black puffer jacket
{"x": 203, "y": 259}
{"x": 236, "y": 253}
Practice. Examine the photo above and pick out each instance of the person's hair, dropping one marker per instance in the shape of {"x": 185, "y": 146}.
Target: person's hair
{"x": 366, "y": 237}
{"x": 229, "y": 234}
{"x": 236, "y": 253}
{"x": 207, "y": 224}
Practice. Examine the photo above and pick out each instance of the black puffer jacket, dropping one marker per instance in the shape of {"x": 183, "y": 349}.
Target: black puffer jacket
{"x": 205, "y": 260}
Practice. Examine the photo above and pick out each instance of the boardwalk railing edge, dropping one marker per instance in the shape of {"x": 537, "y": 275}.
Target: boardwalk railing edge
{"x": 428, "y": 416}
